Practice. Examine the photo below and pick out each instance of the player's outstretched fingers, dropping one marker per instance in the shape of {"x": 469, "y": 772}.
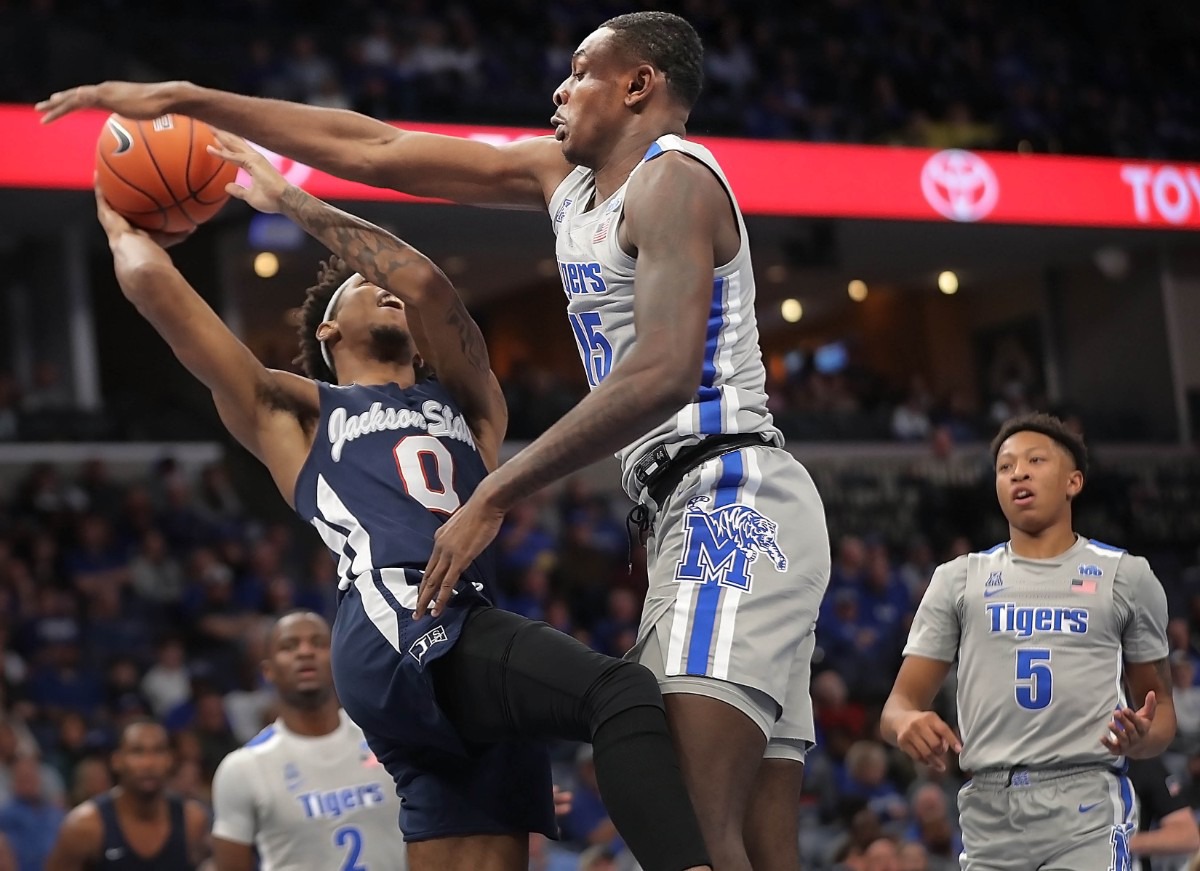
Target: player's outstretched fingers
{"x": 428, "y": 587}
{"x": 446, "y": 587}
{"x": 64, "y": 102}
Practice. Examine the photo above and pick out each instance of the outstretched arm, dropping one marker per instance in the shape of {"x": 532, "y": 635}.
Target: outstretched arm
{"x": 448, "y": 336}
{"x": 671, "y": 216}
{"x": 523, "y": 174}
{"x": 262, "y": 408}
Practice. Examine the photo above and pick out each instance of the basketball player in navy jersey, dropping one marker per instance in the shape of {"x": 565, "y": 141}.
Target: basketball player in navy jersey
{"x": 137, "y": 825}
{"x": 656, "y": 268}
{"x": 376, "y": 458}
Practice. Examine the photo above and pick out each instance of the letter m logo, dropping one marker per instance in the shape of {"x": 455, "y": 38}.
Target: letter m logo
{"x": 710, "y": 555}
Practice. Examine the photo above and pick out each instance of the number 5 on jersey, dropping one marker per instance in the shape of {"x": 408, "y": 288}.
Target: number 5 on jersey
{"x": 1035, "y": 680}
{"x": 598, "y": 353}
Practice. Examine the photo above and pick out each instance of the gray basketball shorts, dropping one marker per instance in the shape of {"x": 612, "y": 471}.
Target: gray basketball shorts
{"x": 1064, "y": 820}
{"x": 738, "y": 561}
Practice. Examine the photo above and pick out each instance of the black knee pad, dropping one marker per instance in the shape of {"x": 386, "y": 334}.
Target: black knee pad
{"x": 622, "y": 686}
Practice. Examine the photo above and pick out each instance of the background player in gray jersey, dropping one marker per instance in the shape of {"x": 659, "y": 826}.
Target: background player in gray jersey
{"x": 279, "y": 795}
{"x": 632, "y": 82}
{"x": 1044, "y": 629}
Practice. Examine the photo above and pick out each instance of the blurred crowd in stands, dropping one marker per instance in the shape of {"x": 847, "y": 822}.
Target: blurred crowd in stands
{"x": 1077, "y": 76}
{"x": 152, "y": 594}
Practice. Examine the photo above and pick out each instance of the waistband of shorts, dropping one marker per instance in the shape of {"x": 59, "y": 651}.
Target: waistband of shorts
{"x": 1020, "y": 776}
{"x": 659, "y": 474}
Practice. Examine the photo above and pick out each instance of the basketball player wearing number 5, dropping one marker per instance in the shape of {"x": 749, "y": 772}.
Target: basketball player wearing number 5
{"x": 376, "y": 455}
{"x": 656, "y": 269}
{"x": 1043, "y": 627}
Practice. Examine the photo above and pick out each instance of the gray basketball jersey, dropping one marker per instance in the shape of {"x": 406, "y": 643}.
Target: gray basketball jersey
{"x": 597, "y": 277}
{"x": 1040, "y": 644}
{"x": 306, "y": 802}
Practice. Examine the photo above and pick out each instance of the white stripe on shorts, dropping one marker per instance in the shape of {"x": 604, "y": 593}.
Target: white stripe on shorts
{"x": 730, "y": 597}
{"x": 685, "y": 592}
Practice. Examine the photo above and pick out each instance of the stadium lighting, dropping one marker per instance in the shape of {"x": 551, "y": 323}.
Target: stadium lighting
{"x": 948, "y": 283}
{"x": 857, "y": 290}
{"x": 266, "y": 264}
{"x": 791, "y": 310}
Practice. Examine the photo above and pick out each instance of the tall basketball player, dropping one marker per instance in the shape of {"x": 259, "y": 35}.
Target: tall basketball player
{"x": 656, "y": 269}
{"x": 376, "y": 456}
{"x": 306, "y": 792}
{"x": 1043, "y": 627}
{"x": 137, "y": 825}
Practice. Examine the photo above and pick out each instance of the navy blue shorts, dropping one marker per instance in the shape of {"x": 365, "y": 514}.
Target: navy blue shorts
{"x": 448, "y": 787}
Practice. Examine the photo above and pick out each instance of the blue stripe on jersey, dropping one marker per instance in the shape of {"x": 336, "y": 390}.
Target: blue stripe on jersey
{"x": 708, "y": 596}
{"x": 1126, "y": 799}
{"x": 994, "y": 548}
{"x": 262, "y": 737}
{"x": 708, "y": 396}
{"x": 1104, "y": 546}
{"x": 653, "y": 151}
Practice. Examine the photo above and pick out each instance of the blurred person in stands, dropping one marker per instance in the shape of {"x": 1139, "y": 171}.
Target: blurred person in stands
{"x": 932, "y": 827}
{"x": 1043, "y": 627}
{"x": 1166, "y": 824}
{"x": 168, "y": 683}
{"x": 90, "y": 778}
{"x": 655, "y": 259}
{"x": 455, "y": 704}
{"x": 913, "y": 857}
{"x": 333, "y": 807}
{"x": 882, "y": 855}
{"x": 138, "y": 824}
{"x": 28, "y": 820}
{"x": 17, "y": 742}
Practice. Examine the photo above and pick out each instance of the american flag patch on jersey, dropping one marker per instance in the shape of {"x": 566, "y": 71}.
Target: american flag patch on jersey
{"x": 1080, "y": 585}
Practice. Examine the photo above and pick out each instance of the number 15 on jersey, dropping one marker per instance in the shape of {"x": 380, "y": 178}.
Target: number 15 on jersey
{"x": 597, "y": 352}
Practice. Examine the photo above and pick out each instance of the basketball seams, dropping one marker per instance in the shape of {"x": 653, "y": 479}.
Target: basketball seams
{"x": 153, "y": 160}
{"x": 158, "y": 207}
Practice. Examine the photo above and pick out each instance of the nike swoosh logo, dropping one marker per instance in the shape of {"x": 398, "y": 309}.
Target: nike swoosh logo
{"x": 987, "y": 594}
{"x": 1084, "y": 808}
{"x": 124, "y": 139}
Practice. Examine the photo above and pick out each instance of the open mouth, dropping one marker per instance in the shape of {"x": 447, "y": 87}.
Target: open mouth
{"x": 1022, "y": 496}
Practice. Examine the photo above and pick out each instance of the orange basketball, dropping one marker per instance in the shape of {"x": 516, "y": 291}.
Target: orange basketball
{"x": 159, "y": 174}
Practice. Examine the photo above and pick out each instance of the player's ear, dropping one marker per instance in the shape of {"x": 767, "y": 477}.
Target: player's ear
{"x": 644, "y": 80}
{"x": 327, "y": 331}
{"x": 1074, "y": 484}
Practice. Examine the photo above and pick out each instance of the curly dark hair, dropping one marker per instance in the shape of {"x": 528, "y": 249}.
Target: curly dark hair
{"x": 1047, "y": 425}
{"x": 667, "y": 41}
{"x": 332, "y": 274}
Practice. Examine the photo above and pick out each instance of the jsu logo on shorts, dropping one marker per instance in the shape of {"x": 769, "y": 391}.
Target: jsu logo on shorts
{"x": 720, "y": 545}
{"x": 421, "y": 646}
{"x": 582, "y": 278}
{"x": 1025, "y": 621}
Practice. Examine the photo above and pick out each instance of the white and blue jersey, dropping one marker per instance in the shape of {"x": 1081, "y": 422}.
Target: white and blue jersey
{"x": 388, "y": 466}
{"x": 598, "y": 279}
{"x": 309, "y": 802}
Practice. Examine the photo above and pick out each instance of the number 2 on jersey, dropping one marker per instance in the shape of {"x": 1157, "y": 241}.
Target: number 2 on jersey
{"x": 351, "y": 838}
{"x": 426, "y": 470}
{"x": 1035, "y": 680}
{"x": 589, "y": 332}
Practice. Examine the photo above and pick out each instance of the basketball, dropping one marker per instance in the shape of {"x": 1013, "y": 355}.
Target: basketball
{"x": 159, "y": 174}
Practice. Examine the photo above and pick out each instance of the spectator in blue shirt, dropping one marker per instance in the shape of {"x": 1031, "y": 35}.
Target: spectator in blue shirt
{"x": 28, "y": 822}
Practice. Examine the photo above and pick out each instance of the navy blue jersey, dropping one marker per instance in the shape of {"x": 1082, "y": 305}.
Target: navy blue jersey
{"x": 388, "y": 467}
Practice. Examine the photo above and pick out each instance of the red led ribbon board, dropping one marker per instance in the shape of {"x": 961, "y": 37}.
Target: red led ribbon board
{"x": 769, "y": 178}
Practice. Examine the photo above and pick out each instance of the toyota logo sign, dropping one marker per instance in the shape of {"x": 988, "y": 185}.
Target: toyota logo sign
{"x": 960, "y": 185}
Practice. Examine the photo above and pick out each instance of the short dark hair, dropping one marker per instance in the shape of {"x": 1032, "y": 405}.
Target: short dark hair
{"x": 1047, "y": 425}
{"x": 667, "y": 41}
{"x": 135, "y": 722}
{"x": 332, "y": 274}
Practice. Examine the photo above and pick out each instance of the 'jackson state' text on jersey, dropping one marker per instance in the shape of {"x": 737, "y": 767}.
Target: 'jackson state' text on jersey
{"x": 388, "y": 466}
{"x": 598, "y": 278}
{"x": 1040, "y": 644}
{"x": 310, "y": 802}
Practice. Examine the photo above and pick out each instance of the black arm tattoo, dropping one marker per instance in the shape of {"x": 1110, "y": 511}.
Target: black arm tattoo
{"x": 374, "y": 253}
{"x": 385, "y": 261}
